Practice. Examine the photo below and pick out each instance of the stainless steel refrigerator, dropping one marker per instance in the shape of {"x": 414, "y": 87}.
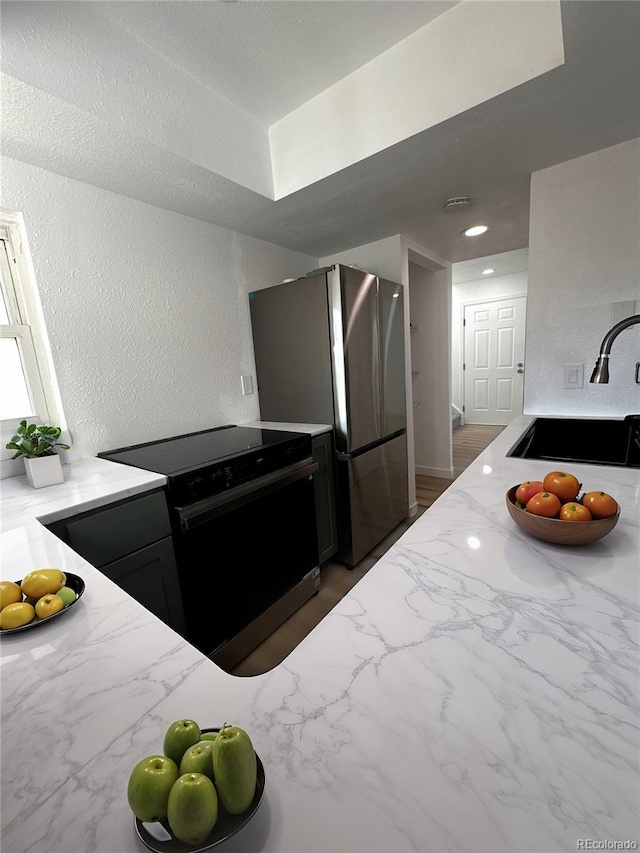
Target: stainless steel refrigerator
{"x": 329, "y": 348}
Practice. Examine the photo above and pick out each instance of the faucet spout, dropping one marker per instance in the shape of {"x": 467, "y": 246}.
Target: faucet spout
{"x": 600, "y": 373}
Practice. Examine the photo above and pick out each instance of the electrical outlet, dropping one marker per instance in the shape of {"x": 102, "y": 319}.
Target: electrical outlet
{"x": 247, "y": 385}
{"x": 573, "y": 376}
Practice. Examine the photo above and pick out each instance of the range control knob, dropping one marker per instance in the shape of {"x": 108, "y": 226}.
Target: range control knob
{"x": 196, "y": 486}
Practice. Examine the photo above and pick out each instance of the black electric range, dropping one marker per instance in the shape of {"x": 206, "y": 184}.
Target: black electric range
{"x": 242, "y": 507}
{"x": 199, "y": 465}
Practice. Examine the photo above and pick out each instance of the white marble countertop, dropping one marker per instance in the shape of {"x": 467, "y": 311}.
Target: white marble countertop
{"x": 88, "y": 483}
{"x": 311, "y": 429}
{"x": 476, "y": 691}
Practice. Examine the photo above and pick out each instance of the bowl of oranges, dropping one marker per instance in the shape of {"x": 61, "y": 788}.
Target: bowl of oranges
{"x": 555, "y": 509}
{"x": 40, "y": 596}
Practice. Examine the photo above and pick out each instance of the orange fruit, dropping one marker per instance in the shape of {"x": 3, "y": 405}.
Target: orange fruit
{"x": 562, "y": 485}
{"x": 545, "y": 504}
{"x": 600, "y": 504}
{"x": 575, "y": 512}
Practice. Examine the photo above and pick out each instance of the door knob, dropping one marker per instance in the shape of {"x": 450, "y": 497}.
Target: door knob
{"x": 520, "y": 370}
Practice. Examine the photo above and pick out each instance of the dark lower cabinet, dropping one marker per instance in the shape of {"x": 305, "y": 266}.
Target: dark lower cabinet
{"x": 151, "y": 577}
{"x": 130, "y": 542}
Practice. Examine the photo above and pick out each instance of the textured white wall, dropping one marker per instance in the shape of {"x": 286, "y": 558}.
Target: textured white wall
{"x": 430, "y": 296}
{"x": 382, "y": 258}
{"x": 584, "y": 254}
{"x": 496, "y": 287}
{"x": 425, "y": 79}
{"x": 146, "y": 309}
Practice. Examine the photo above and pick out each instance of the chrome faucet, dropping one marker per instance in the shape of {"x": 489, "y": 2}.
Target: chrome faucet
{"x": 601, "y": 370}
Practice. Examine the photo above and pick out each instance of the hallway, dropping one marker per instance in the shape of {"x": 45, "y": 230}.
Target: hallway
{"x": 468, "y": 443}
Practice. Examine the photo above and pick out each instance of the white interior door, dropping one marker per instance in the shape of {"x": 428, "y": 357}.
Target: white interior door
{"x": 494, "y": 360}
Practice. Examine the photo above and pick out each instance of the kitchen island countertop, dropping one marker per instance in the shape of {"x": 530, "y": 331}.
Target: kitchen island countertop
{"x": 477, "y": 690}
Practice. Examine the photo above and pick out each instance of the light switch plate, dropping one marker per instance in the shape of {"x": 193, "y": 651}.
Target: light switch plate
{"x": 247, "y": 385}
{"x": 622, "y": 310}
{"x": 573, "y": 376}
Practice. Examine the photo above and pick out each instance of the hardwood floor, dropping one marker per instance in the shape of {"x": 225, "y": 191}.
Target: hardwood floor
{"x": 468, "y": 443}
{"x": 336, "y": 581}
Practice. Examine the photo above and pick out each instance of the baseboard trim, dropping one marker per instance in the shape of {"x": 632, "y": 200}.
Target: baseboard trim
{"x": 413, "y": 509}
{"x": 445, "y": 473}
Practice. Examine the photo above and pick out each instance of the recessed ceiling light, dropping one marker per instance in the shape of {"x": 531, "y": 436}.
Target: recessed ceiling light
{"x": 487, "y": 272}
{"x": 477, "y": 229}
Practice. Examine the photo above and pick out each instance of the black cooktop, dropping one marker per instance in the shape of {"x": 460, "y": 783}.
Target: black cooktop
{"x": 185, "y": 453}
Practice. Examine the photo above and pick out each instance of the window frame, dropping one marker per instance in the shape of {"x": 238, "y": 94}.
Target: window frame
{"x": 26, "y": 326}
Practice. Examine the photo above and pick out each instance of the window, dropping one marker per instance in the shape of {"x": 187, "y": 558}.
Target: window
{"x": 27, "y": 387}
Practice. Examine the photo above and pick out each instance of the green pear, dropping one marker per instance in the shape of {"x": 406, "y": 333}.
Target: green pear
{"x": 234, "y": 768}
{"x": 179, "y": 737}
{"x": 192, "y": 810}
{"x": 198, "y": 759}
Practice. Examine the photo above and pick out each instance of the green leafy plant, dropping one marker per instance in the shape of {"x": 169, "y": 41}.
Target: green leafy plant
{"x": 35, "y": 440}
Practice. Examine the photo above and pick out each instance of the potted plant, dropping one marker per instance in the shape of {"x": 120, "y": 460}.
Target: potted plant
{"x": 38, "y": 443}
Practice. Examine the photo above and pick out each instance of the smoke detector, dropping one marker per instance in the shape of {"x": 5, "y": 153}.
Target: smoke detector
{"x": 457, "y": 203}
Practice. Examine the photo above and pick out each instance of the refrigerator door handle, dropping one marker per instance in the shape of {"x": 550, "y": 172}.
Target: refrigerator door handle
{"x": 377, "y": 361}
{"x": 392, "y": 356}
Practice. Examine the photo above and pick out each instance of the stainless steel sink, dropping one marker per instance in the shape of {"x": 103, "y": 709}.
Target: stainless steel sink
{"x": 592, "y": 441}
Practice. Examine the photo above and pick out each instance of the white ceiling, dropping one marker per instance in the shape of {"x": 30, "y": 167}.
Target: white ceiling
{"x": 271, "y": 57}
{"x": 506, "y": 263}
{"x": 268, "y": 57}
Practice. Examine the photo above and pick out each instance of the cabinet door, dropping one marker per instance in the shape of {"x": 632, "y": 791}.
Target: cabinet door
{"x": 151, "y": 577}
{"x": 108, "y": 533}
{"x": 325, "y": 496}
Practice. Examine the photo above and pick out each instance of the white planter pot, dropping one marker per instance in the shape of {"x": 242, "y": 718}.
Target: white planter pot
{"x": 45, "y": 471}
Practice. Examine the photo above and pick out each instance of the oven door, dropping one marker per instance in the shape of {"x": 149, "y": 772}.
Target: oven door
{"x": 242, "y": 555}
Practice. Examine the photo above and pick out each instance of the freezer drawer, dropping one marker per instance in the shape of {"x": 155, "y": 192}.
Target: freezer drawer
{"x": 373, "y": 497}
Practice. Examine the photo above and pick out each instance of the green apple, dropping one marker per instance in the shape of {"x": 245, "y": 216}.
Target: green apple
{"x": 179, "y": 737}
{"x": 150, "y": 782}
{"x": 208, "y": 736}
{"x": 67, "y": 595}
{"x": 197, "y": 759}
{"x": 234, "y": 768}
{"x": 192, "y": 810}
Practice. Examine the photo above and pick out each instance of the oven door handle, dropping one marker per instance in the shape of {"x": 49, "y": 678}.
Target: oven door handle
{"x": 199, "y": 513}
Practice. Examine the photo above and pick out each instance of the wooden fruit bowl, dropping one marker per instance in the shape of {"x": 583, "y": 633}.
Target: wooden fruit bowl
{"x": 557, "y": 531}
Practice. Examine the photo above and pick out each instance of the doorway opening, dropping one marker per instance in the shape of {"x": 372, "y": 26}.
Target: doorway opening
{"x": 489, "y": 297}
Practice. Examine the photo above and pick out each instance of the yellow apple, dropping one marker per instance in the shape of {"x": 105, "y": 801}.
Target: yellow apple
{"x": 48, "y": 605}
